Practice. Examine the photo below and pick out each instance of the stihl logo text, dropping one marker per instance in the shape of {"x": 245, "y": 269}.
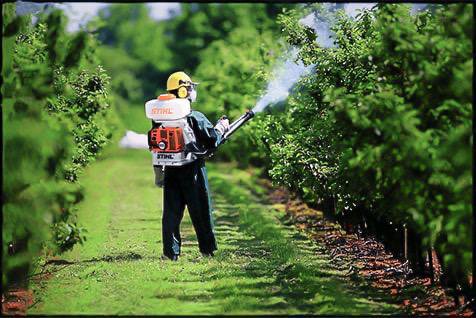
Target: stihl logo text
{"x": 164, "y": 156}
{"x": 161, "y": 111}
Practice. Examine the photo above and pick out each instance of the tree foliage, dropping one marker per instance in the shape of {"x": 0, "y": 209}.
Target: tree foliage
{"x": 384, "y": 123}
{"x": 128, "y": 28}
{"x": 55, "y": 122}
{"x": 199, "y": 25}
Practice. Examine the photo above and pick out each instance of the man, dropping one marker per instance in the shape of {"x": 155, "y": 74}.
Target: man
{"x": 188, "y": 185}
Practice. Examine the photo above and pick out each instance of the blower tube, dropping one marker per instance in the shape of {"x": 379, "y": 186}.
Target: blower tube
{"x": 237, "y": 124}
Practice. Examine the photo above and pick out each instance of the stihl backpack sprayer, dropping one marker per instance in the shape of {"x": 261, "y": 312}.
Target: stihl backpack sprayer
{"x": 171, "y": 132}
{"x": 171, "y": 136}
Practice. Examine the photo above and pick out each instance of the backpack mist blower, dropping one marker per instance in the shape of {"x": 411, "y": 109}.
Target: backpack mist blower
{"x": 171, "y": 140}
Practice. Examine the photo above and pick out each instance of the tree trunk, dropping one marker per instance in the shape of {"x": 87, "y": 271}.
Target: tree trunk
{"x": 430, "y": 263}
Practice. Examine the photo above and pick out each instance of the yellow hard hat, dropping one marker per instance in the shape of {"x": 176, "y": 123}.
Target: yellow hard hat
{"x": 178, "y": 79}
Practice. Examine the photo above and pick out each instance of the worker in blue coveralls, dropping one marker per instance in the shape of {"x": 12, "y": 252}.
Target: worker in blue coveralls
{"x": 187, "y": 185}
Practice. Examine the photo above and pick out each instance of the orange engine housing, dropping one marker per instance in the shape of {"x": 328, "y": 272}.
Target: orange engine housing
{"x": 166, "y": 139}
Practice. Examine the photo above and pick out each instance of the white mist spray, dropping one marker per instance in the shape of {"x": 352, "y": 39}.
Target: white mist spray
{"x": 288, "y": 73}
{"x": 284, "y": 77}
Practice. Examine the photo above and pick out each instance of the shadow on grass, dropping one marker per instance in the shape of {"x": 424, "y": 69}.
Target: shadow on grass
{"x": 275, "y": 267}
{"x": 122, "y": 257}
{"x": 294, "y": 286}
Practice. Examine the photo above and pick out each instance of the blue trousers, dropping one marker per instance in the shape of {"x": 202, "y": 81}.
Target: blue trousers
{"x": 187, "y": 186}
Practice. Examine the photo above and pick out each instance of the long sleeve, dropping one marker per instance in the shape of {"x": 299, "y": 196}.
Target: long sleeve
{"x": 208, "y": 138}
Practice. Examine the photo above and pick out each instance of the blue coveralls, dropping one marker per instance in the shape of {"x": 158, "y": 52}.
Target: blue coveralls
{"x": 188, "y": 186}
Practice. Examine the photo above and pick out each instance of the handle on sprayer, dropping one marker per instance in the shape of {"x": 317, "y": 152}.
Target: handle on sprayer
{"x": 234, "y": 126}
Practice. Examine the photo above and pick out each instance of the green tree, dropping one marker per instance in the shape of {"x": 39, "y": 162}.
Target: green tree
{"x": 56, "y": 120}
{"x": 198, "y": 25}
{"x": 374, "y": 128}
{"x": 129, "y": 27}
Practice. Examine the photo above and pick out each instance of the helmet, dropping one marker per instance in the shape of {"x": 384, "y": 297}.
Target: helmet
{"x": 181, "y": 84}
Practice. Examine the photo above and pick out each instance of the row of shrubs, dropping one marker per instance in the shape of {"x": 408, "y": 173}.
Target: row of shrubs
{"x": 381, "y": 132}
{"x": 56, "y": 119}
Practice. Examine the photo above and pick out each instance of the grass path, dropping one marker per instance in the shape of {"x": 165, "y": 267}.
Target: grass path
{"x": 262, "y": 266}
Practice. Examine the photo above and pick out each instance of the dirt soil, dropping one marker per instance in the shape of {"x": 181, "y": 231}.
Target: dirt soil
{"x": 15, "y": 302}
{"x": 367, "y": 260}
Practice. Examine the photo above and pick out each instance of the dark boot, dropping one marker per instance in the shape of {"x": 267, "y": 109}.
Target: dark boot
{"x": 171, "y": 258}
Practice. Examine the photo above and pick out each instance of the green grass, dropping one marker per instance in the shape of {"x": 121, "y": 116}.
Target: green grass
{"x": 261, "y": 267}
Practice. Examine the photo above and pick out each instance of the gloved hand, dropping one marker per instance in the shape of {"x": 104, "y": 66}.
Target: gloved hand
{"x": 223, "y": 125}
